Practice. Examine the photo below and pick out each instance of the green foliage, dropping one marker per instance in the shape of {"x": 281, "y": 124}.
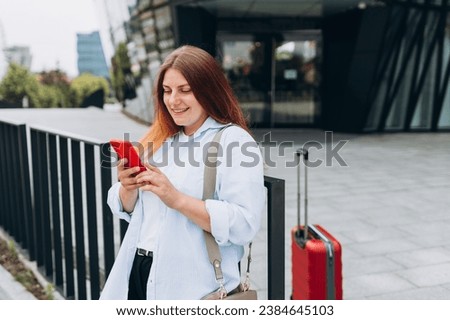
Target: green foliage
{"x": 18, "y": 83}
{"x": 49, "y": 96}
{"x": 54, "y": 78}
{"x": 52, "y": 91}
{"x": 120, "y": 66}
{"x": 48, "y": 89}
{"x": 58, "y": 86}
{"x": 49, "y": 292}
{"x": 84, "y": 85}
{"x": 12, "y": 249}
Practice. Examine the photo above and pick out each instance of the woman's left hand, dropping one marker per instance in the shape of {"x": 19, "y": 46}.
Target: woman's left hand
{"x": 155, "y": 181}
{"x": 194, "y": 209}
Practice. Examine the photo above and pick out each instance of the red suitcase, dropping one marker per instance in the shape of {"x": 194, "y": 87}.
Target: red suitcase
{"x": 316, "y": 255}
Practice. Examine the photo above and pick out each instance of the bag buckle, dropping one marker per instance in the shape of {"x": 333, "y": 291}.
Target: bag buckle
{"x": 222, "y": 291}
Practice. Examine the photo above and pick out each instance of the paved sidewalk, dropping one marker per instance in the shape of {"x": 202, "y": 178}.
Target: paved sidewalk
{"x": 389, "y": 206}
{"x": 10, "y": 289}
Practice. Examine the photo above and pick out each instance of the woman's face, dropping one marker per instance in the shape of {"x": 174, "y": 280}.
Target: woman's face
{"x": 181, "y": 103}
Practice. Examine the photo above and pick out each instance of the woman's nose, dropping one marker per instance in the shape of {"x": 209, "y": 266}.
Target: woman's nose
{"x": 173, "y": 99}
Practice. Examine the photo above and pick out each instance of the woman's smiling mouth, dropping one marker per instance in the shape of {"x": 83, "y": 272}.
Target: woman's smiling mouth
{"x": 178, "y": 111}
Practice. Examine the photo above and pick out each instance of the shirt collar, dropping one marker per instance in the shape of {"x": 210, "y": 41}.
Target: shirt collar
{"x": 209, "y": 123}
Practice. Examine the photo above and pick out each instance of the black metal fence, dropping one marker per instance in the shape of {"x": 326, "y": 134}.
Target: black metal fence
{"x": 53, "y": 191}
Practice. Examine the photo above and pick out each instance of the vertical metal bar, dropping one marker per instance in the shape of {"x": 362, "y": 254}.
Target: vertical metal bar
{"x": 20, "y": 232}
{"x": 16, "y": 214}
{"x": 108, "y": 232}
{"x": 91, "y": 199}
{"x": 67, "y": 223}
{"x": 12, "y": 212}
{"x": 123, "y": 229}
{"x": 8, "y": 164}
{"x": 25, "y": 189}
{"x": 56, "y": 212}
{"x": 45, "y": 205}
{"x": 276, "y": 236}
{"x": 78, "y": 218}
{"x": 32, "y": 216}
{"x": 5, "y": 179}
{"x": 37, "y": 189}
{"x": 2, "y": 174}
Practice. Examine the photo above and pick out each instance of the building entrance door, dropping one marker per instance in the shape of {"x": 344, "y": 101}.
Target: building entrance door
{"x": 275, "y": 76}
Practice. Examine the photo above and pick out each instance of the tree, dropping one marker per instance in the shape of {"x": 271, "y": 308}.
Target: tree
{"x": 18, "y": 83}
{"x": 122, "y": 78}
{"x": 85, "y": 85}
{"x": 58, "y": 86}
{"x": 49, "y": 96}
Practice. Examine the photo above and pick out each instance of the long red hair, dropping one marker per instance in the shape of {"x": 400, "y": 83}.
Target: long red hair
{"x": 209, "y": 86}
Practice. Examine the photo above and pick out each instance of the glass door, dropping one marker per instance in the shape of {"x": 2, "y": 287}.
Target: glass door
{"x": 275, "y": 76}
{"x": 296, "y": 80}
{"x": 245, "y": 62}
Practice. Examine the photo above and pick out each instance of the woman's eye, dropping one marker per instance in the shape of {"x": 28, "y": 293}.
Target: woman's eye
{"x": 185, "y": 90}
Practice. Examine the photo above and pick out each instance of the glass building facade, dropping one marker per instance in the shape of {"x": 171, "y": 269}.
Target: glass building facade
{"x": 411, "y": 91}
{"x": 353, "y": 66}
{"x": 90, "y": 55}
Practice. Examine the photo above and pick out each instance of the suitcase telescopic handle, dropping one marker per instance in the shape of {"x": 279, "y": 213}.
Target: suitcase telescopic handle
{"x": 302, "y": 152}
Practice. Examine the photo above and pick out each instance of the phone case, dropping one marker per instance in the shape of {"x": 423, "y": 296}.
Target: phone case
{"x": 126, "y": 150}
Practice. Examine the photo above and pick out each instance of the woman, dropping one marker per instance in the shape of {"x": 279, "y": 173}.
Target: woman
{"x": 163, "y": 255}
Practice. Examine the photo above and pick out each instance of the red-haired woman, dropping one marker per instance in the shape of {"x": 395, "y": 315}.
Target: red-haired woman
{"x": 163, "y": 255}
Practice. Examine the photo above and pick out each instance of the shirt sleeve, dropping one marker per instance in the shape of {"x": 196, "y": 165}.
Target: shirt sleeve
{"x": 115, "y": 204}
{"x": 239, "y": 201}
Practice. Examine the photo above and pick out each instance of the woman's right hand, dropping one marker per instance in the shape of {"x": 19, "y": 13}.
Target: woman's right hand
{"x": 127, "y": 176}
{"x": 129, "y": 187}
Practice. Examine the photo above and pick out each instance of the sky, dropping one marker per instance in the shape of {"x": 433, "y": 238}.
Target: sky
{"x": 49, "y": 28}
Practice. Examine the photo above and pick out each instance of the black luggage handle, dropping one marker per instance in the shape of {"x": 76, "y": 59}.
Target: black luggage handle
{"x": 302, "y": 152}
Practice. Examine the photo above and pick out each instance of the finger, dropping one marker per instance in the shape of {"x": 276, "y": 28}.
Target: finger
{"x": 128, "y": 176}
{"x": 122, "y": 162}
{"x": 152, "y": 168}
{"x": 149, "y": 187}
{"x": 133, "y": 187}
{"x": 131, "y": 182}
{"x": 145, "y": 177}
{"x": 130, "y": 171}
{"x": 147, "y": 172}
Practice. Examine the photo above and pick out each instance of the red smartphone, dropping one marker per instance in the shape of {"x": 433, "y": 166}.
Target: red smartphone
{"x": 126, "y": 150}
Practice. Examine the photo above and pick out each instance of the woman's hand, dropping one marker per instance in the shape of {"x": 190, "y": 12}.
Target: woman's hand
{"x": 194, "y": 209}
{"x": 128, "y": 192}
{"x": 155, "y": 181}
{"x": 127, "y": 176}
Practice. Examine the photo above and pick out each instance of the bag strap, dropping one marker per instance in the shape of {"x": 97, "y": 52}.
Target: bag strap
{"x": 209, "y": 185}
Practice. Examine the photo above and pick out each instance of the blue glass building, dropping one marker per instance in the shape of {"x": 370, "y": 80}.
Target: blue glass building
{"x": 91, "y": 58}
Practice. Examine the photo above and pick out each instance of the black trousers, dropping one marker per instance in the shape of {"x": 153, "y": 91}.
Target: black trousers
{"x": 137, "y": 286}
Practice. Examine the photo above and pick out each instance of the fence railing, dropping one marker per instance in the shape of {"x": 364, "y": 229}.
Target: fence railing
{"x": 53, "y": 191}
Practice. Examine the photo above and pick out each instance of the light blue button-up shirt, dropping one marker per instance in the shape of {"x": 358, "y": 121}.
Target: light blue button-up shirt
{"x": 181, "y": 268}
